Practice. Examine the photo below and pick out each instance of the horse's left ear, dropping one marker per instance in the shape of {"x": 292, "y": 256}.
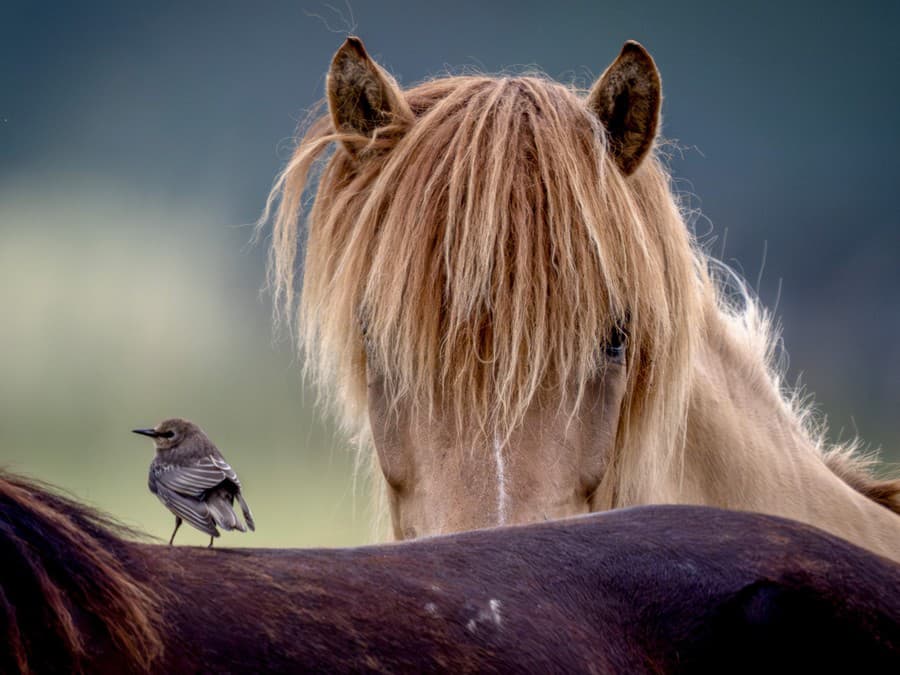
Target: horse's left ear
{"x": 627, "y": 99}
{"x": 361, "y": 96}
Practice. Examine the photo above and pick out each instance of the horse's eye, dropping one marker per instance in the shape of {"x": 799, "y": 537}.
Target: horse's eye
{"x": 364, "y": 332}
{"x": 367, "y": 342}
{"x": 616, "y": 343}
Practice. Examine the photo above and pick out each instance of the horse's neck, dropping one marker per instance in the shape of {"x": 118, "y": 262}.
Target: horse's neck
{"x": 740, "y": 433}
{"x": 747, "y": 449}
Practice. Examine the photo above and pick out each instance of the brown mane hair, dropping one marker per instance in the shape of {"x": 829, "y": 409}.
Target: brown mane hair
{"x": 69, "y": 555}
{"x": 480, "y": 287}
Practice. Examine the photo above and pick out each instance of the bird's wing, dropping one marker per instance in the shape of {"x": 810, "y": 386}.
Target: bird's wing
{"x": 232, "y": 476}
{"x": 194, "y": 480}
{"x": 226, "y": 469}
{"x": 193, "y": 511}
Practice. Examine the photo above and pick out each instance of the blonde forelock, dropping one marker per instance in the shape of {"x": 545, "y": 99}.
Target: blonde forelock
{"x": 480, "y": 255}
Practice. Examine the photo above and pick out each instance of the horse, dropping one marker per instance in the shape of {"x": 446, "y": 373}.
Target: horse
{"x": 500, "y": 293}
{"x": 662, "y": 589}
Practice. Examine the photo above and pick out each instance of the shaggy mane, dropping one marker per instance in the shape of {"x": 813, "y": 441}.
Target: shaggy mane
{"x": 470, "y": 287}
{"x": 478, "y": 254}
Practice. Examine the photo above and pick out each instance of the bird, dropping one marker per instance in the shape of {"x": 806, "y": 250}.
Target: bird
{"x": 192, "y": 479}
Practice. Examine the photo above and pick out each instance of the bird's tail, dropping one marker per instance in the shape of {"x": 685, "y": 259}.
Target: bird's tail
{"x": 247, "y": 515}
{"x": 222, "y": 512}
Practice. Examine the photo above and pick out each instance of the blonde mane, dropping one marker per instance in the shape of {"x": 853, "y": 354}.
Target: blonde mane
{"x": 473, "y": 287}
{"x": 478, "y": 286}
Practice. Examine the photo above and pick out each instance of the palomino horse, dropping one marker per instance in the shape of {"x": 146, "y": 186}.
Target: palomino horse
{"x": 656, "y": 589}
{"x": 500, "y": 292}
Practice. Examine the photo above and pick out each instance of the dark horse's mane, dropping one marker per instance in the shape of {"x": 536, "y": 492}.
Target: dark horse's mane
{"x": 71, "y": 557}
{"x": 650, "y": 589}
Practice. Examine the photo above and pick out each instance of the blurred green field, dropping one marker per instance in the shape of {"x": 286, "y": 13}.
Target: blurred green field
{"x": 119, "y": 313}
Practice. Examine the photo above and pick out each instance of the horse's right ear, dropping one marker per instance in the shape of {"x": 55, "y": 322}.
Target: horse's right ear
{"x": 361, "y": 96}
{"x": 627, "y": 99}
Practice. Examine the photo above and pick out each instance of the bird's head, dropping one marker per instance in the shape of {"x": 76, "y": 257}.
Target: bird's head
{"x": 172, "y": 433}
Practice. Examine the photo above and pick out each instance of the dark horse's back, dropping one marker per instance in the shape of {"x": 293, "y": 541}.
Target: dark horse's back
{"x": 652, "y": 589}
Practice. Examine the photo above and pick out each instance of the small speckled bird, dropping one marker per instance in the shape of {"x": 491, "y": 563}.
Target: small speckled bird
{"x": 191, "y": 477}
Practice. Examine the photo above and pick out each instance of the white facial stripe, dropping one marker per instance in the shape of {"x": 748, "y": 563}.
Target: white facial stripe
{"x": 501, "y": 481}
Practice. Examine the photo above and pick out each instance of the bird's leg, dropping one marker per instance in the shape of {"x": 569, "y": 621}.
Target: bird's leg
{"x": 177, "y": 525}
{"x": 210, "y": 543}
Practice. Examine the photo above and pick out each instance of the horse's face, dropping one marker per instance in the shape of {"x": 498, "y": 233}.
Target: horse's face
{"x": 549, "y": 468}
{"x": 472, "y": 258}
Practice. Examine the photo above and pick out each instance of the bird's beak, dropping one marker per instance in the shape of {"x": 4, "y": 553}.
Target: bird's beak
{"x": 152, "y": 433}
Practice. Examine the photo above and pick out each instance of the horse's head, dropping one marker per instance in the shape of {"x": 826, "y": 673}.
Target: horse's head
{"x": 493, "y": 270}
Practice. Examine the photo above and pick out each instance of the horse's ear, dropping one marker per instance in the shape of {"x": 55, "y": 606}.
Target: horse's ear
{"x": 361, "y": 96}
{"x": 627, "y": 99}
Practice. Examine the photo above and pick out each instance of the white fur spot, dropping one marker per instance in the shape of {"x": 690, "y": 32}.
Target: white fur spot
{"x": 490, "y": 615}
{"x": 501, "y": 481}
{"x": 495, "y": 611}
{"x": 431, "y": 608}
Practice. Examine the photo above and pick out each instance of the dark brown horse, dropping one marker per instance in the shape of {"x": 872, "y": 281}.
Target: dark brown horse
{"x": 651, "y": 589}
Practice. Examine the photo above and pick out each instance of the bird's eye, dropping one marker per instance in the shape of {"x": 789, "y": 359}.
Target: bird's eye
{"x": 168, "y": 434}
{"x": 616, "y": 343}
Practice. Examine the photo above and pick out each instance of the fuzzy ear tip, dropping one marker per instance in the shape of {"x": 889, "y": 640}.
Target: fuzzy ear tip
{"x": 356, "y": 44}
{"x": 352, "y": 45}
{"x": 633, "y": 48}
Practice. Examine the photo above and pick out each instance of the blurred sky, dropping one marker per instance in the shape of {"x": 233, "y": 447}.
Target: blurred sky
{"x": 137, "y": 140}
